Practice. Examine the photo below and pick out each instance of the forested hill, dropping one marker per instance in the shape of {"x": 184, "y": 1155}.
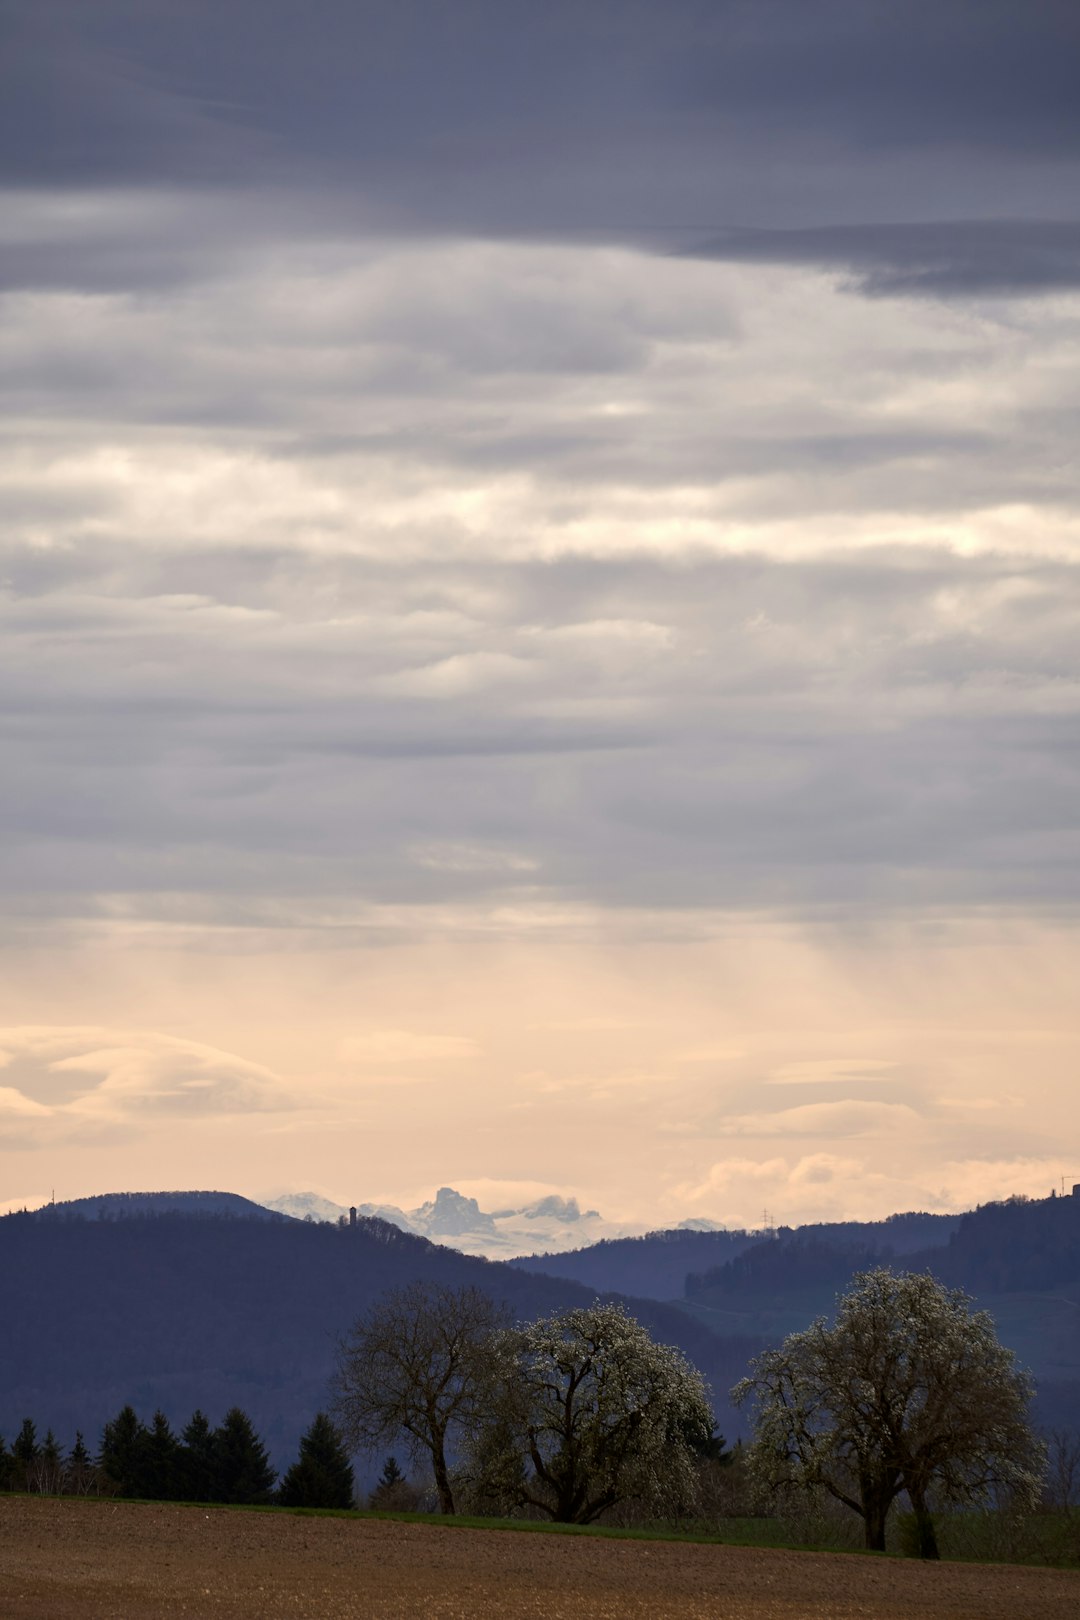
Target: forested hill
{"x": 122, "y": 1206}
{"x": 1020, "y": 1260}
{"x": 657, "y": 1265}
{"x": 1022, "y": 1246}
{"x": 173, "y": 1312}
{"x": 654, "y": 1266}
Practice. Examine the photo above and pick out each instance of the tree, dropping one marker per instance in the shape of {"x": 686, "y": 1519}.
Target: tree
{"x": 46, "y": 1472}
{"x": 323, "y": 1475}
{"x": 907, "y": 1392}
{"x": 242, "y": 1471}
{"x": 1062, "y": 1487}
{"x": 25, "y": 1453}
{"x": 197, "y": 1459}
{"x": 589, "y": 1411}
{"x": 416, "y": 1366}
{"x": 123, "y": 1452}
{"x": 162, "y": 1462}
{"x": 80, "y": 1475}
{"x": 393, "y": 1493}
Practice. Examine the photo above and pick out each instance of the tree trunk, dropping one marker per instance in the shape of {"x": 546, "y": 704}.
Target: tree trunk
{"x": 442, "y": 1480}
{"x": 875, "y": 1511}
{"x": 925, "y": 1534}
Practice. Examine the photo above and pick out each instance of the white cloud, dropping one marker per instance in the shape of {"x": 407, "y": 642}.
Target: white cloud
{"x": 458, "y": 675}
{"x": 851, "y": 1117}
{"x": 827, "y": 1169}
{"x": 963, "y": 1183}
{"x": 98, "y": 1079}
{"x": 469, "y": 858}
{"x": 793, "y": 1190}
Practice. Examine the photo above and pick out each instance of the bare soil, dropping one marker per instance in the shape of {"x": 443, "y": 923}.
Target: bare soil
{"x": 92, "y": 1560}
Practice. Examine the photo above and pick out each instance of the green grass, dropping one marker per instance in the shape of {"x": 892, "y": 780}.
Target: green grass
{"x": 736, "y": 1532}
{"x": 1048, "y": 1539}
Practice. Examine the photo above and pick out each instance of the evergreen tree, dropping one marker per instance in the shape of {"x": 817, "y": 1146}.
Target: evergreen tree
{"x": 80, "y": 1475}
{"x": 322, "y": 1476}
{"x": 390, "y": 1476}
{"x": 7, "y": 1467}
{"x": 393, "y": 1493}
{"x": 242, "y": 1469}
{"x": 25, "y": 1452}
{"x": 197, "y": 1461}
{"x": 123, "y": 1453}
{"x": 162, "y": 1462}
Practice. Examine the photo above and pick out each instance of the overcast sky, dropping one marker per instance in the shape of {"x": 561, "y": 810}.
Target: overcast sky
{"x": 540, "y": 600}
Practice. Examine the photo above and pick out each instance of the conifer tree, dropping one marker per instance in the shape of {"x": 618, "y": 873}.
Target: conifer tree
{"x": 197, "y": 1459}
{"x": 323, "y": 1475}
{"x": 123, "y": 1453}
{"x": 162, "y": 1461}
{"x": 393, "y": 1493}
{"x": 390, "y": 1476}
{"x": 7, "y": 1467}
{"x": 80, "y": 1475}
{"x": 241, "y": 1466}
{"x": 24, "y": 1451}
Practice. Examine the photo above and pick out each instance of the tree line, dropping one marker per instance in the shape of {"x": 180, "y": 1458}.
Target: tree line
{"x": 228, "y": 1463}
{"x": 907, "y": 1396}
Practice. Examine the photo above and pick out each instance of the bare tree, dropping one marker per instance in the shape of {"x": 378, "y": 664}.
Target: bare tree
{"x": 1063, "y": 1468}
{"x": 416, "y": 1366}
{"x": 907, "y": 1392}
{"x": 45, "y": 1473}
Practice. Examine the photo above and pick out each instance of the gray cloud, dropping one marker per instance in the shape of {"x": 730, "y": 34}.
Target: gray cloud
{"x": 723, "y": 733}
{"x": 800, "y": 133}
{"x": 949, "y": 259}
{"x": 379, "y": 481}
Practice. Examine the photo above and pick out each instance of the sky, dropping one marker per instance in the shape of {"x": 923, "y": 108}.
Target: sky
{"x": 540, "y": 601}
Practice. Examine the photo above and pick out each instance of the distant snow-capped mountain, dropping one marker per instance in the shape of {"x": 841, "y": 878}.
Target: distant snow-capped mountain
{"x": 549, "y": 1225}
{"x": 305, "y": 1206}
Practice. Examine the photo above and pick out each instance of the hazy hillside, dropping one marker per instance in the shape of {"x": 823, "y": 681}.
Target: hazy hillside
{"x": 657, "y": 1265}
{"x": 177, "y": 1312}
{"x": 1028, "y": 1246}
{"x": 1019, "y": 1260}
{"x": 653, "y": 1267}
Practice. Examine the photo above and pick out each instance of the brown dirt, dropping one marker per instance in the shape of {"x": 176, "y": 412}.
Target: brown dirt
{"x": 80, "y": 1560}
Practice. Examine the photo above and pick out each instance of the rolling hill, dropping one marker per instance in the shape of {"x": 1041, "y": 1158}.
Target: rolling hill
{"x": 177, "y": 1310}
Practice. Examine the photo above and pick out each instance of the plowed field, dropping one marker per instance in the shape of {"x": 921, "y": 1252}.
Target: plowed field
{"x": 72, "y": 1560}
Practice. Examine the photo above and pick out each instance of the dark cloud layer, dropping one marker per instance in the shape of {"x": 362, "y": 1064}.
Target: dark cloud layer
{"x": 955, "y": 259}
{"x": 660, "y": 125}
